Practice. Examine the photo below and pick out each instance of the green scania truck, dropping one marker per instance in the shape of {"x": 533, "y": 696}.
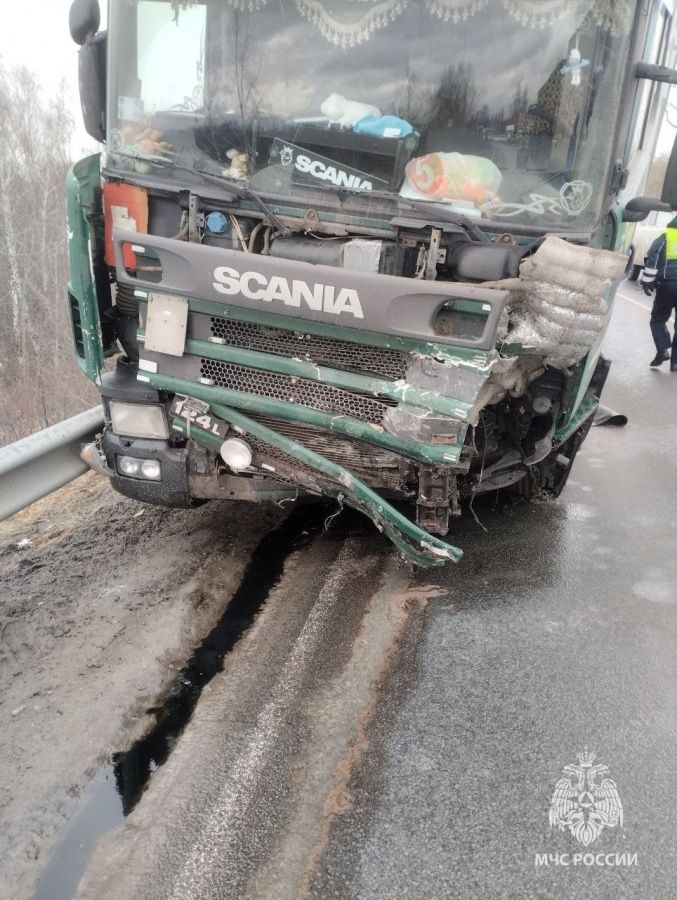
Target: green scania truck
{"x": 364, "y": 249}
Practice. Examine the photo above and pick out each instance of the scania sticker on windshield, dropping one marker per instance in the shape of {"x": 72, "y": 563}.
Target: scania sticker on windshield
{"x": 309, "y": 168}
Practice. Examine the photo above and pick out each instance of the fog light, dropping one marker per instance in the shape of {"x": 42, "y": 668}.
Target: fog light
{"x": 139, "y": 420}
{"x": 236, "y": 454}
{"x": 129, "y": 466}
{"x": 148, "y": 469}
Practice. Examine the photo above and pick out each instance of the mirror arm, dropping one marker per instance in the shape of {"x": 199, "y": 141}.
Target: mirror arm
{"x": 656, "y": 73}
{"x": 637, "y": 209}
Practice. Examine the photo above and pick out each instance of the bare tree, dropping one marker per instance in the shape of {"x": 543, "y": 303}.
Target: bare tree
{"x": 40, "y": 381}
{"x": 455, "y": 103}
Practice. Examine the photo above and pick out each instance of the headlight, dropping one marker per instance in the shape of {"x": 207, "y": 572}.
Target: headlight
{"x": 236, "y": 454}
{"x": 149, "y": 469}
{"x": 139, "y": 420}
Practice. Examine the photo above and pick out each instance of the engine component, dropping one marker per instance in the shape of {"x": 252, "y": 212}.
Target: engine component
{"x": 541, "y": 405}
{"x": 358, "y": 255}
{"x": 216, "y": 223}
{"x": 125, "y": 316}
{"x": 327, "y": 253}
{"x": 433, "y": 255}
{"x": 432, "y": 504}
{"x": 547, "y": 392}
{"x": 125, "y": 301}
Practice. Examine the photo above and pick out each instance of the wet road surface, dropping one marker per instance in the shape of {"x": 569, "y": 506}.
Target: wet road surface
{"x": 366, "y": 744}
{"x": 557, "y": 632}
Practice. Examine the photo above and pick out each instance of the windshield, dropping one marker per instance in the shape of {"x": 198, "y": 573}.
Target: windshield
{"x": 500, "y": 109}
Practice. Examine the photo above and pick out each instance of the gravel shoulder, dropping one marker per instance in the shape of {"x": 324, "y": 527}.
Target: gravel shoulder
{"x": 101, "y": 601}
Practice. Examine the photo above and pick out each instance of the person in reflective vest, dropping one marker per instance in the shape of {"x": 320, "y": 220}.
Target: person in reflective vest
{"x": 660, "y": 274}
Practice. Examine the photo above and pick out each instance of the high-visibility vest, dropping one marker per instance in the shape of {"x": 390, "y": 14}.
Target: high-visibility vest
{"x": 670, "y": 243}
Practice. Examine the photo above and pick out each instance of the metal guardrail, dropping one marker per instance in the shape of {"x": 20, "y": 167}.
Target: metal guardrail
{"x": 43, "y": 462}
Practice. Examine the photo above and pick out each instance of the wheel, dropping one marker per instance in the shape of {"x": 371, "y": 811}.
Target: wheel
{"x": 634, "y": 275}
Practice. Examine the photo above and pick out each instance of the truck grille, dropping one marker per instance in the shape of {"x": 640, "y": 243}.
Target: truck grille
{"x": 371, "y": 464}
{"x": 295, "y": 390}
{"x": 380, "y": 361}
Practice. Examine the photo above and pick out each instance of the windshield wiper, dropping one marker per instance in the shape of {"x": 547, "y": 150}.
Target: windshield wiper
{"x": 240, "y": 190}
{"x": 447, "y": 215}
{"x": 441, "y": 214}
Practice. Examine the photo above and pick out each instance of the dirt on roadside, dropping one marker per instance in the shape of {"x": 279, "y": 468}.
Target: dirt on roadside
{"x": 102, "y": 600}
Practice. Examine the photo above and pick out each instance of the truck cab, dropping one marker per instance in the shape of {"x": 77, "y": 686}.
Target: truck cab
{"x": 358, "y": 250}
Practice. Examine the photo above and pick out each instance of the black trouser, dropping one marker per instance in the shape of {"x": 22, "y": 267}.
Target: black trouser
{"x": 664, "y": 303}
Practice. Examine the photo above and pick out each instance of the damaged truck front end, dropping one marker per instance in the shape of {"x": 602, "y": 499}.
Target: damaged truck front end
{"x": 344, "y": 304}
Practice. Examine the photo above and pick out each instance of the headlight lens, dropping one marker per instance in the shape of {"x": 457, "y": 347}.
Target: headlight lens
{"x": 129, "y": 466}
{"x": 139, "y": 420}
{"x": 148, "y": 469}
{"x": 236, "y": 454}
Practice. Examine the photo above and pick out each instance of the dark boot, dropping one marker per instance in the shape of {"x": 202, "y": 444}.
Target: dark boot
{"x": 660, "y": 357}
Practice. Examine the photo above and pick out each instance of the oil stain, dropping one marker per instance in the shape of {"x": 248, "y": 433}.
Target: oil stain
{"x": 116, "y": 789}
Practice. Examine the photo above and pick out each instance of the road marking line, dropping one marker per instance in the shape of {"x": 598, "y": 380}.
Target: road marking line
{"x": 631, "y": 300}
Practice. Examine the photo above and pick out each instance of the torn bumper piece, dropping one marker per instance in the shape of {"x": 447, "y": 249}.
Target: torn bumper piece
{"x": 415, "y": 544}
{"x": 439, "y": 455}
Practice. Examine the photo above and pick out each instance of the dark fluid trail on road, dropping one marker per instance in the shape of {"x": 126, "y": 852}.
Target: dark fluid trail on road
{"x": 134, "y": 767}
{"x": 117, "y": 787}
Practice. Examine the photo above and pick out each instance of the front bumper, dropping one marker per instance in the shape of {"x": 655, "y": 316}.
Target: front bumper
{"x": 173, "y": 488}
{"x": 339, "y": 403}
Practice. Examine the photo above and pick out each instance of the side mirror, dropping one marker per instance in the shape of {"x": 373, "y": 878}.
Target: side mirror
{"x": 637, "y": 209}
{"x": 84, "y": 19}
{"x": 92, "y": 81}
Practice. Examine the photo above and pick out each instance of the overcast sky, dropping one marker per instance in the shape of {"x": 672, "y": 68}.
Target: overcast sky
{"x": 36, "y": 34}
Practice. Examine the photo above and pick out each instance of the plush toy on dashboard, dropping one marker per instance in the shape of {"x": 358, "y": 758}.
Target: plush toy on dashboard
{"x": 239, "y": 165}
{"x": 141, "y": 139}
{"x": 453, "y": 177}
{"x": 347, "y": 113}
{"x": 146, "y": 140}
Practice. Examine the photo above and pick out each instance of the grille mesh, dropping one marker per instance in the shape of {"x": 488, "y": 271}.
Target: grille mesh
{"x": 294, "y": 390}
{"x": 389, "y": 364}
{"x": 371, "y": 463}
{"x": 292, "y": 470}
{"x": 383, "y": 476}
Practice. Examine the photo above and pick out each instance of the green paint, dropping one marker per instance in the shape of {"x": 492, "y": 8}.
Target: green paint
{"x": 464, "y": 357}
{"x": 585, "y": 408}
{"x": 83, "y": 189}
{"x": 413, "y": 542}
{"x": 292, "y": 412}
{"x": 348, "y": 381}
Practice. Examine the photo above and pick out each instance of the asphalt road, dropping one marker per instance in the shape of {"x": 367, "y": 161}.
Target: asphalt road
{"x": 557, "y": 632}
{"x": 366, "y": 745}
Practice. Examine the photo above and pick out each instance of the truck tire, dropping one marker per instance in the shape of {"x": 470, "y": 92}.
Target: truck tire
{"x": 634, "y": 275}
